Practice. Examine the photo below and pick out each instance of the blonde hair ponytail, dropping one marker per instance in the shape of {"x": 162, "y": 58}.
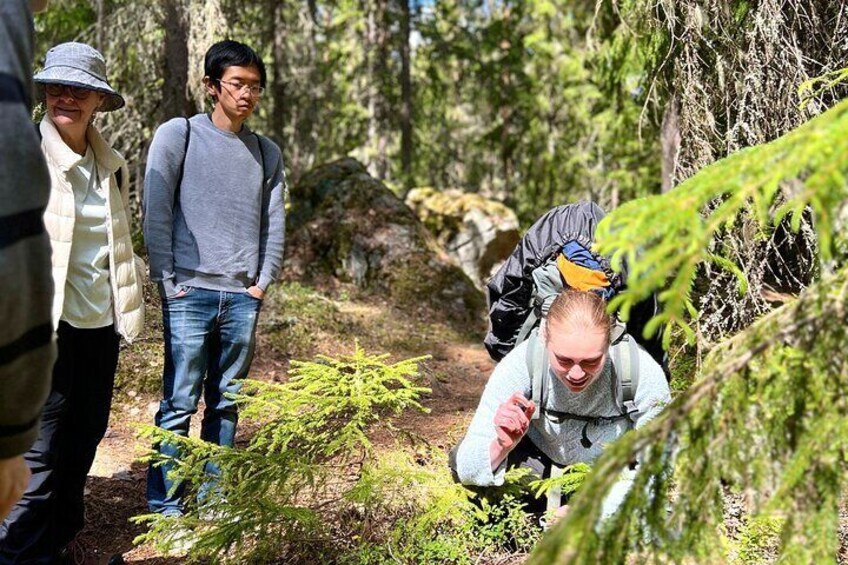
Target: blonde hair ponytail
{"x": 580, "y": 310}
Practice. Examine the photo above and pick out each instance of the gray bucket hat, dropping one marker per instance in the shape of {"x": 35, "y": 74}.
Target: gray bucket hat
{"x": 78, "y": 64}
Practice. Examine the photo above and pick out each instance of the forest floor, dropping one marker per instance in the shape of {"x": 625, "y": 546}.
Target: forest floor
{"x": 296, "y": 323}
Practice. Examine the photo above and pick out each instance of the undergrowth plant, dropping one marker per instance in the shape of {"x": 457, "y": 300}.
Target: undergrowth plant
{"x": 413, "y": 512}
{"x": 567, "y": 483}
{"x": 309, "y": 487}
{"x": 275, "y": 499}
{"x": 758, "y": 540}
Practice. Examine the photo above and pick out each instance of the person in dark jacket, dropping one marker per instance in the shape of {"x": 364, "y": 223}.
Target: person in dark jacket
{"x": 26, "y": 347}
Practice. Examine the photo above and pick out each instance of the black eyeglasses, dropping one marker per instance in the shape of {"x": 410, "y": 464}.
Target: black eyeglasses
{"x": 78, "y": 92}
{"x": 254, "y": 89}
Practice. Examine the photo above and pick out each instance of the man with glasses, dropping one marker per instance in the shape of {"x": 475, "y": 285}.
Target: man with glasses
{"x": 214, "y": 225}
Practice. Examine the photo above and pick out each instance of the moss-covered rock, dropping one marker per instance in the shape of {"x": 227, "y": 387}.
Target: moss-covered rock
{"x": 346, "y": 224}
{"x": 478, "y": 232}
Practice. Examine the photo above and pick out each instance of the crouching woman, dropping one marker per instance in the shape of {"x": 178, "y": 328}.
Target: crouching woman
{"x": 579, "y": 391}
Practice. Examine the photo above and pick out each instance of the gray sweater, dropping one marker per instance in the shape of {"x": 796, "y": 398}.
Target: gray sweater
{"x": 225, "y": 231}
{"x": 560, "y": 442}
{"x": 26, "y": 347}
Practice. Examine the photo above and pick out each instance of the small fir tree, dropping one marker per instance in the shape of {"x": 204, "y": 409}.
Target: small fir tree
{"x": 274, "y": 496}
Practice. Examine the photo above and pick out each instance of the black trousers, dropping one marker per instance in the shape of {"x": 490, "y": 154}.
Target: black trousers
{"x": 74, "y": 421}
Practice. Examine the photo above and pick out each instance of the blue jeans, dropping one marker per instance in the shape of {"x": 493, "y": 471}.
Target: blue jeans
{"x": 209, "y": 341}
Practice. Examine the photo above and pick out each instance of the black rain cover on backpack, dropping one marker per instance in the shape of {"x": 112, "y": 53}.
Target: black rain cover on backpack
{"x": 511, "y": 290}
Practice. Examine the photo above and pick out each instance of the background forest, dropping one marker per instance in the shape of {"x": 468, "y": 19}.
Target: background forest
{"x": 536, "y": 103}
{"x": 491, "y": 97}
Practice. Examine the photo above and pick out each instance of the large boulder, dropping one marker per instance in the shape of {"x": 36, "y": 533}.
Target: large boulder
{"x": 348, "y": 225}
{"x": 478, "y": 232}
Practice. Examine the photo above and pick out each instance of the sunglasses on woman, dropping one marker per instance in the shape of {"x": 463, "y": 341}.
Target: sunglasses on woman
{"x": 78, "y": 92}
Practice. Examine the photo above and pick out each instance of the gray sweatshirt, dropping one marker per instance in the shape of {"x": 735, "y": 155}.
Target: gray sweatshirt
{"x": 560, "y": 442}
{"x": 225, "y": 229}
{"x": 26, "y": 347}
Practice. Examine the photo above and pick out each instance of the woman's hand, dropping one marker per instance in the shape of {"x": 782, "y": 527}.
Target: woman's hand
{"x": 512, "y": 420}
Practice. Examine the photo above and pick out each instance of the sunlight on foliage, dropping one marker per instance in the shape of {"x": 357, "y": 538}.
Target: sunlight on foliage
{"x": 568, "y": 483}
{"x": 425, "y": 517}
{"x": 760, "y": 534}
{"x": 665, "y": 238}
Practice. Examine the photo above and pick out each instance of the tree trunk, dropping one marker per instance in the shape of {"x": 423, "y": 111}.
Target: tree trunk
{"x": 506, "y": 110}
{"x": 670, "y": 142}
{"x": 99, "y": 8}
{"x": 176, "y": 100}
{"x": 277, "y": 89}
{"x": 406, "y": 98}
{"x": 370, "y": 89}
{"x": 304, "y": 135}
{"x": 377, "y": 54}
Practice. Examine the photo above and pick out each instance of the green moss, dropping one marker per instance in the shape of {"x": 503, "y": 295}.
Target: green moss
{"x": 294, "y": 315}
{"x": 442, "y": 212}
{"x": 758, "y": 540}
{"x": 417, "y": 281}
{"x": 684, "y": 368}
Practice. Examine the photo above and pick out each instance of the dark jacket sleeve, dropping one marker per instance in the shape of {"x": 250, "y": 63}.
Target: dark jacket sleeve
{"x": 26, "y": 330}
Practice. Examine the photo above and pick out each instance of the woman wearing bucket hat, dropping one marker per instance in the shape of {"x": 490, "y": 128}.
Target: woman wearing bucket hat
{"x": 98, "y": 297}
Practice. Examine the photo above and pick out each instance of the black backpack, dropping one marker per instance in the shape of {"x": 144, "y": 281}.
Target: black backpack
{"x": 525, "y": 285}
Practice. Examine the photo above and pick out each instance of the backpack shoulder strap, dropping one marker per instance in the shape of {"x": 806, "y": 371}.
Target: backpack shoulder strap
{"x": 537, "y": 367}
{"x": 624, "y": 354}
{"x": 530, "y": 322}
{"x": 617, "y": 333}
{"x": 265, "y": 177}
{"x": 182, "y": 163}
